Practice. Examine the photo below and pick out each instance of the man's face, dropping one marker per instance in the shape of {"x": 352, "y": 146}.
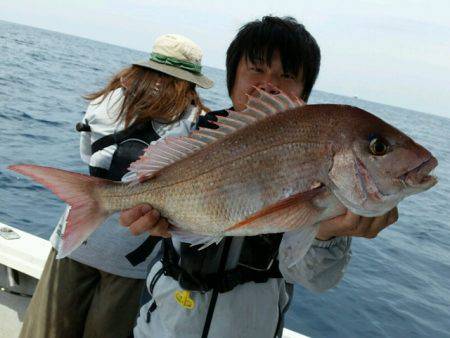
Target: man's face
{"x": 260, "y": 75}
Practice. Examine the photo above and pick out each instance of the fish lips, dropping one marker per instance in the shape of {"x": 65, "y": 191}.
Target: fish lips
{"x": 420, "y": 177}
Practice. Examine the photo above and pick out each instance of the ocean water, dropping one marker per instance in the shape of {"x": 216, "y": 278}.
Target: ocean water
{"x": 396, "y": 285}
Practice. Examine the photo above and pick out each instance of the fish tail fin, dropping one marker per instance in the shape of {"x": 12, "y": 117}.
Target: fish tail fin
{"x": 80, "y": 192}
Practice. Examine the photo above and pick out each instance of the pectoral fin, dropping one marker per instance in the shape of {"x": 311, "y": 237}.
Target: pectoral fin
{"x": 286, "y": 215}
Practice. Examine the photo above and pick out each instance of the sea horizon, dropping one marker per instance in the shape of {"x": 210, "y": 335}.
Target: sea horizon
{"x": 223, "y": 69}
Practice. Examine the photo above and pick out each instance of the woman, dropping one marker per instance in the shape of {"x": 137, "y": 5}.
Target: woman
{"x": 95, "y": 291}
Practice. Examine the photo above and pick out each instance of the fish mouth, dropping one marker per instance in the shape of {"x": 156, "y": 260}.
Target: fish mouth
{"x": 420, "y": 176}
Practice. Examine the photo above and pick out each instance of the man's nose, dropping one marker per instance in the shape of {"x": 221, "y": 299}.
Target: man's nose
{"x": 269, "y": 88}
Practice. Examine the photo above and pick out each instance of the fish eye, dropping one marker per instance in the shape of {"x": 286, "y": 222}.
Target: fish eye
{"x": 378, "y": 146}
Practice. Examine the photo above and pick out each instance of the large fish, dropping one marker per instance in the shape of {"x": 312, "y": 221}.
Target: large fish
{"x": 274, "y": 167}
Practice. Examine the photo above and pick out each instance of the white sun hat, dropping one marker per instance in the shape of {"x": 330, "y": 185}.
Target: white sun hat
{"x": 178, "y": 56}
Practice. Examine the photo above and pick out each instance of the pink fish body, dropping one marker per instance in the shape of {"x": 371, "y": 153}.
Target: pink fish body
{"x": 275, "y": 167}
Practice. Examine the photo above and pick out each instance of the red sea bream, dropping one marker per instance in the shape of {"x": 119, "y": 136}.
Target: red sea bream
{"x": 274, "y": 167}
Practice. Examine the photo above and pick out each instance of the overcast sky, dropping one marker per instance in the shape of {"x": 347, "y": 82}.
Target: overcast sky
{"x": 393, "y": 52}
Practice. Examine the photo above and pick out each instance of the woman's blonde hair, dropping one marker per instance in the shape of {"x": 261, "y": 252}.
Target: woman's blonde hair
{"x": 149, "y": 94}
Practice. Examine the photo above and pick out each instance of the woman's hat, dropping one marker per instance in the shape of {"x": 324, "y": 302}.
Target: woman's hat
{"x": 178, "y": 56}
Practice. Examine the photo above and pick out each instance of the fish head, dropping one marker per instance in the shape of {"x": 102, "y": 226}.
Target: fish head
{"x": 375, "y": 165}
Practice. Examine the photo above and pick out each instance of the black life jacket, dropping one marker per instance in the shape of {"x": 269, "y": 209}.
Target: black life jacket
{"x": 130, "y": 142}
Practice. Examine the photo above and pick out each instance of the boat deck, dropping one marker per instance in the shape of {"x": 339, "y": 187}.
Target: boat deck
{"x": 12, "y": 310}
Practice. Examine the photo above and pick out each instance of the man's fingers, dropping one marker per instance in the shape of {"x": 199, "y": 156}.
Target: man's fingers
{"x": 382, "y": 222}
{"x": 378, "y": 224}
{"x": 343, "y": 225}
{"x": 351, "y": 219}
{"x": 351, "y": 224}
{"x": 393, "y": 216}
{"x": 364, "y": 225}
{"x": 160, "y": 228}
{"x": 143, "y": 218}
{"x": 145, "y": 222}
{"x": 127, "y": 217}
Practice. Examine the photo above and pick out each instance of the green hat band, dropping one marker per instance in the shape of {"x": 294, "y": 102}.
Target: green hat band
{"x": 189, "y": 66}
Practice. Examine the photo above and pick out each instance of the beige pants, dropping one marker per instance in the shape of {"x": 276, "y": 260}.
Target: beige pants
{"x": 75, "y": 300}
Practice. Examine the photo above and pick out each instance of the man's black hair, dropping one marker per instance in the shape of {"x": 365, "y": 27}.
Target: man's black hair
{"x": 259, "y": 39}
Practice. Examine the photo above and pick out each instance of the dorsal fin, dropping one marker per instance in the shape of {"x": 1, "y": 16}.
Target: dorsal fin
{"x": 172, "y": 149}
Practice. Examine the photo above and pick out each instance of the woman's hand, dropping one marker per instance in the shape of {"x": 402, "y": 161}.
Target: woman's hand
{"x": 143, "y": 218}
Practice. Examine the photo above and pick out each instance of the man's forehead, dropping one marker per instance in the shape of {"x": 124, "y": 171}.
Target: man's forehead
{"x": 264, "y": 55}
{"x": 265, "y": 60}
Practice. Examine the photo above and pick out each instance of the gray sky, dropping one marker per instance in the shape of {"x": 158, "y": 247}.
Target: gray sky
{"x": 393, "y": 52}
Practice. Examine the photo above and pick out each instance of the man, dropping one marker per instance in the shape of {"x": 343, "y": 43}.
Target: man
{"x": 238, "y": 288}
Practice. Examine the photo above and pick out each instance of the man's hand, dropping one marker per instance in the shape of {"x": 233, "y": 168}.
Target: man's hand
{"x": 354, "y": 225}
{"x": 143, "y": 218}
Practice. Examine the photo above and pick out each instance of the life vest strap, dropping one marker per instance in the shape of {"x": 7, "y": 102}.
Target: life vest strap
{"x": 223, "y": 282}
